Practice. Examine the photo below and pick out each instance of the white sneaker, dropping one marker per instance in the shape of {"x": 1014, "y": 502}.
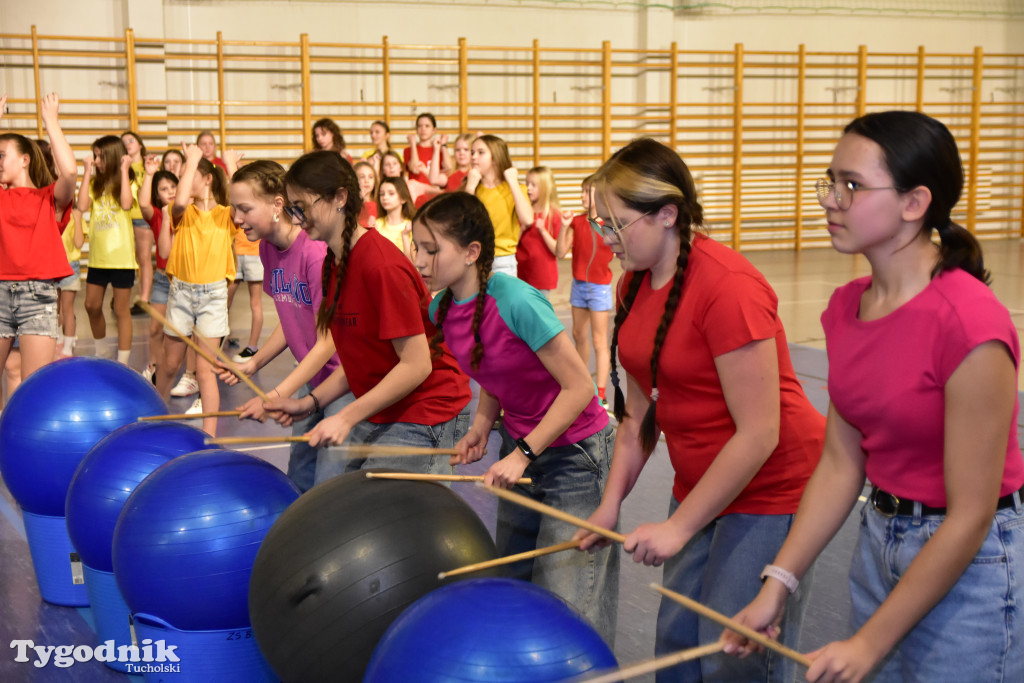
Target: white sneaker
{"x": 148, "y": 373}
{"x": 186, "y": 386}
{"x": 196, "y": 407}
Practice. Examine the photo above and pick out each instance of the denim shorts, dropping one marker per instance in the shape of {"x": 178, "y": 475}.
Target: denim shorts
{"x": 248, "y": 267}
{"x": 443, "y": 435}
{"x": 73, "y": 282}
{"x": 199, "y": 308}
{"x": 28, "y": 307}
{"x": 141, "y": 223}
{"x": 161, "y": 288}
{"x": 591, "y": 296}
{"x": 975, "y": 633}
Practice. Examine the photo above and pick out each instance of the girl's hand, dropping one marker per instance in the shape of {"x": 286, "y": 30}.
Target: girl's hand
{"x": 843, "y": 661}
{"x": 151, "y": 164}
{"x": 191, "y": 152}
{"x": 470, "y": 448}
{"x": 47, "y": 107}
{"x": 252, "y": 409}
{"x": 3, "y": 105}
{"x": 473, "y": 177}
{"x": 443, "y": 139}
{"x": 285, "y": 410}
{"x": 412, "y": 138}
{"x": 763, "y": 614}
{"x": 511, "y": 175}
{"x": 232, "y": 157}
{"x": 231, "y": 379}
{"x": 331, "y": 431}
{"x": 507, "y": 471}
{"x": 605, "y": 516}
{"x": 652, "y": 544}
{"x": 88, "y": 162}
{"x": 126, "y": 163}
{"x": 567, "y": 217}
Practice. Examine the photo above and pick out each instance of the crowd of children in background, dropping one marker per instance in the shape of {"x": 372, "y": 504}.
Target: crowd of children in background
{"x": 399, "y": 277}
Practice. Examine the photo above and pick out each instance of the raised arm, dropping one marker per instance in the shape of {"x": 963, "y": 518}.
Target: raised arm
{"x": 438, "y": 168}
{"x": 192, "y": 156}
{"x": 151, "y": 165}
{"x": 63, "y": 157}
{"x": 565, "y": 237}
{"x": 126, "y": 198}
{"x": 231, "y": 158}
{"x": 84, "y": 199}
{"x": 524, "y": 210}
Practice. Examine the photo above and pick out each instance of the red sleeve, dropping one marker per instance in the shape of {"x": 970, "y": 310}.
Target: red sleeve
{"x": 399, "y": 306}
{"x": 406, "y": 155}
{"x": 740, "y": 309}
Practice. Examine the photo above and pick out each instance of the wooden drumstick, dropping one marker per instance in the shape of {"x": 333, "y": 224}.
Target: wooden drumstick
{"x": 656, "y": 664}
{"x": 552, "y": 512}
{"x": 194, "y": 416}
{"x": 733, "y": 625}
{"x": 202, "y": 352}
{"x": 414, "y": 476}
{"x": 510, "y": 559}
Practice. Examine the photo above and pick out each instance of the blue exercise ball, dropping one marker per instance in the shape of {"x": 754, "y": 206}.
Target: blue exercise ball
{"x": 110, "y": 472}
{"x": 186, "y": 539}
{"x": 344, "y": 561}
{"x": 56, "y": 416}
{"x": 482, "y": 630}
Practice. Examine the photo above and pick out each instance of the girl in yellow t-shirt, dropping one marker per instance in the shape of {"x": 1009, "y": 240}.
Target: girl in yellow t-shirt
{"x": 395, "y": 211}
{"x": 107, "y": 196}
{"x": 495, "y": 182}
{"x": 200, "y": 266}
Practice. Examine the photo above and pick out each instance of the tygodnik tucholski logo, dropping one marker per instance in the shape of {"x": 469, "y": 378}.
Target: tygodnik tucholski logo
{"x": 137, "y": 659}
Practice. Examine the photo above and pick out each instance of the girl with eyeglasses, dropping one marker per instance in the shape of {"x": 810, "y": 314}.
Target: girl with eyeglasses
{"x": 505, "y": 335}
{"x": 375, "y": 306}
{"x": 707, "y": 366}
{"x": 923, "y": 366}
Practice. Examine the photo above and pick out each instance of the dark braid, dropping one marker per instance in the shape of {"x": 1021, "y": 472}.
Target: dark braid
{"x": 462, "y": 218}
{"x": 647, "y": 426}
{"x": 635, "y": 281}
{"x": 483, "y": 274}
{"x": 325, "y": 174}
{"x": 442, "y": 312}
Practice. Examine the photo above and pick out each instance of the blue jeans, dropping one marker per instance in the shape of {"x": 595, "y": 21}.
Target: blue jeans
{"x": 303, "y": 457}
{"x": 570, "y": 478}
{"x": 444, "y": 435}
{"x": 976, "y": 633}
{"x": 719, "y": 568}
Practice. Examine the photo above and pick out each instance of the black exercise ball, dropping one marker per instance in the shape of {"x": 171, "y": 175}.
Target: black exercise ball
{"x": 344, "y": 560}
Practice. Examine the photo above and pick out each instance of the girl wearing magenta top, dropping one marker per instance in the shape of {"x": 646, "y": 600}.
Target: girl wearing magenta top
{"x": 505, "y": 334}
{"x": 32, "y": 256}
{"x": 923, "y": 380}
{"x": 291, "y": 277}
{"x": 375, "y": 306}
{"x": 707, "y": 365}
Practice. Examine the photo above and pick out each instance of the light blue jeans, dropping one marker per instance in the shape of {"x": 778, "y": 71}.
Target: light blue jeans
{"x": 719, "y": 568}
{"x": 303, "y": 458}
{"x": 976, "y": 633}
{"x": 571, "y": 479}
{"x": 444, "y": 435}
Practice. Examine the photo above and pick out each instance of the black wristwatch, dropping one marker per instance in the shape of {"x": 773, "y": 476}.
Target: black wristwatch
{"x": 526, "y": 450}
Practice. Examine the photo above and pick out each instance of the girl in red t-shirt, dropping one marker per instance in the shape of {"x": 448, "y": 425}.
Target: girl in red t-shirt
{"x": 375, "y": 305}
{"x": 448, "y": 171}
{"x": 155, "y": 197}
{"x": 32, "y": 256}
{"x": 420, "y": 152}
{"x": 535, "y": 255}
{"x": 707, "y": 365}
{"x": 367, "y": 179}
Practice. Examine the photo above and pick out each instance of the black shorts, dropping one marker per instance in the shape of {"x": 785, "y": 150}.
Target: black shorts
{"x": 118, "y": 278}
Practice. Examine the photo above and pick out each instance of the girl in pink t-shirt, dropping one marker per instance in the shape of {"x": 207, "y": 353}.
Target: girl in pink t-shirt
{"x": 291, "y": 277}
{"x": 923, "y": 383}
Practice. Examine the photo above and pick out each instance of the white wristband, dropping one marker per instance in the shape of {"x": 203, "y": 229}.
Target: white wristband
{"x": 785, "y": 577}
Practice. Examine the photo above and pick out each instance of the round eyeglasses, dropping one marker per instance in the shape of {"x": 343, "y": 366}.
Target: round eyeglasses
{"x": 842, "y": 191}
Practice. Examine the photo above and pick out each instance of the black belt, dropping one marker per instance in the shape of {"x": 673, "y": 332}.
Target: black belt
{"x": 889, "y": 505}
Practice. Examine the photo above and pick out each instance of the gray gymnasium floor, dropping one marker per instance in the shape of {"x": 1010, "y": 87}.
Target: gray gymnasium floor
{"x": 803, "y": 282}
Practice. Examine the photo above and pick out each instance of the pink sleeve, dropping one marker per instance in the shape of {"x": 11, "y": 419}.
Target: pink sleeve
{"x": 978, "y": 319}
